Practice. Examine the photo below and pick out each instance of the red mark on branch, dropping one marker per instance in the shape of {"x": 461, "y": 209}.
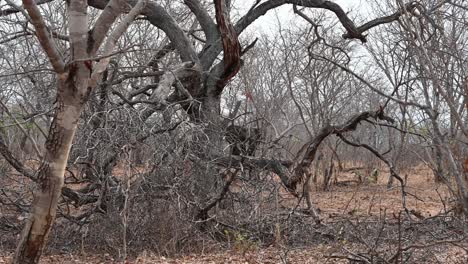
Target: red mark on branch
{"x": 89, "y": 65}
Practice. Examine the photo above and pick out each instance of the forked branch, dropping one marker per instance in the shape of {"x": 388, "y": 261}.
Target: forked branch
{"x": 111, "y": 41}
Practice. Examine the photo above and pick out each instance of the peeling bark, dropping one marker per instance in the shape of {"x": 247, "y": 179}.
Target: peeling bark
{"x": 231, "y": 46}
{"x": 76, "y": 80}
{"x": 50, "y": 179}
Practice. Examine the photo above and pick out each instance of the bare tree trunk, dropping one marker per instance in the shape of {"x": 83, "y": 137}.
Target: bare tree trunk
{"x": 75, "y": 82}
{"x": 328, "y": 175}
{"x": 310, "y": 206}
{"x": 50, "y": 179}
{"x": 438, "y": 170}
{"x": 462, "y": 182}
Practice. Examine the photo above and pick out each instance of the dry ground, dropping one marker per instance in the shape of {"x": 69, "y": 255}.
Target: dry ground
{"x": 425, "y": 197}
{"x": 426, "y": 200}
{"x": 260, "y": 256}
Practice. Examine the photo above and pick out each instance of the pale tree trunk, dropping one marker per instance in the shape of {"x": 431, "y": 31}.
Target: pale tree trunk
{"x": 75, "y": 83}
{"x": 72, "y": 93}
{"x": 50, "y": 180}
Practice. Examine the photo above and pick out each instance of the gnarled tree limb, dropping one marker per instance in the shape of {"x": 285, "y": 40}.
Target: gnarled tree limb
{"x": 382, "y": 20}
{"x": 231, "y": 45}
{"x": 111, "y": 41}
{"x": 293, "y": 172}
{"x": 306, "y": 155}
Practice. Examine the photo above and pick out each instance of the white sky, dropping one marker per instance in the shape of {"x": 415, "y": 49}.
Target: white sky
{"x": 268, "y": 22}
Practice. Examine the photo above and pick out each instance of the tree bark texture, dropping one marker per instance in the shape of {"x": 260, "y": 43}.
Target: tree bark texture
{"x": 76, "y": 80}
{"x": 50, "y": 176}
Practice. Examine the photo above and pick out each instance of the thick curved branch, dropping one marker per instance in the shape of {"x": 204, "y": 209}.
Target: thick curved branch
{"x": 262, "y": 9}
{"x": 160, "y": 18}
{"x": 210, "y": 53}
{"x": 292, "y": 173}
{"x": 44, "y": 36}
{"x": 111, "y": 41}
{"x": 383, "y": 20}
{"x": 352, "y": 32}
{"x": 306, "y": 154}
{"x": 103, "y": 24}
{"x": 348, "y": 24}
{"x": 206, "y": 23}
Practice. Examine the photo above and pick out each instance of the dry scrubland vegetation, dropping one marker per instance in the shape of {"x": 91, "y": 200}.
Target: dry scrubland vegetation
{"x": 359, "y": 207}
{"x": 180, "y": 132}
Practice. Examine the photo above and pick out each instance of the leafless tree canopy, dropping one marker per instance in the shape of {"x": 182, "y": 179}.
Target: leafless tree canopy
{"x": 135, "y": 125}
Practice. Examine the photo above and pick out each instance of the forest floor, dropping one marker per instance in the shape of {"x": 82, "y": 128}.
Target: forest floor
{"x": 347, "y": 199}
{"x": 316, "y": 255}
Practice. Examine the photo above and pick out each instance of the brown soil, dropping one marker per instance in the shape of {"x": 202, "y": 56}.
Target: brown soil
{"x": 347, "y": 199}
{"x": 319, "y": 254}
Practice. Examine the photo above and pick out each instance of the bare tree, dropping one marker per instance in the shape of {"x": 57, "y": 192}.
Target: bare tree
{"x": 429, "y": 59}
{"x": 75, "y": 81}
{"x": 156, "y": 97}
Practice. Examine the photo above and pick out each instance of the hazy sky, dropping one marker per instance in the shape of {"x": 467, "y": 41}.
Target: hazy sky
{"x": 269, "y": 21}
